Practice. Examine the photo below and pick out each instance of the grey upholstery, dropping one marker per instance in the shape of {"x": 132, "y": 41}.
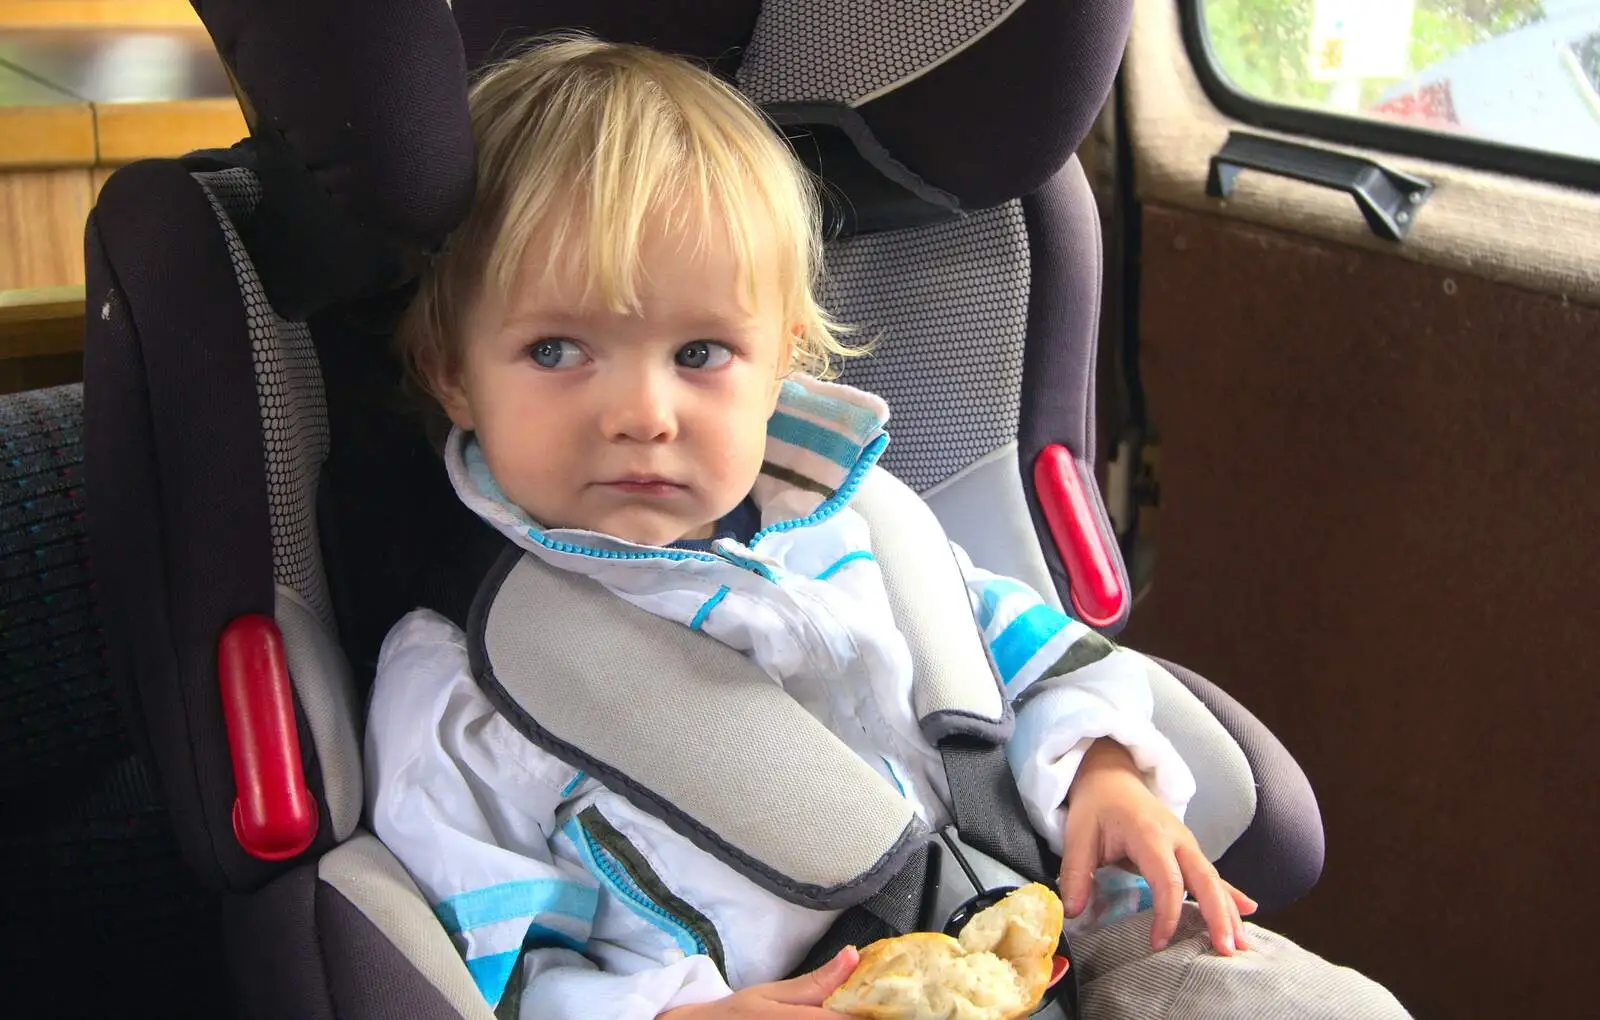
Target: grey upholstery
{"x": 294, "y": 417}
{"x": 346, "y": 938}
{"x": 946, "y": 308}
{"x": 326, "y": 693}
{"x": 1282, "y": 850}
{"x": 985, "y": 511}
{"x": 1224, "y": 803}
{"x": 373, "y": 882}
{"x": 850, "y": 52}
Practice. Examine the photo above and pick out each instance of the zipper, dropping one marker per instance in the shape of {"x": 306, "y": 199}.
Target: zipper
{"x": 623, "y": 883}
{"x": 627, "y": 874}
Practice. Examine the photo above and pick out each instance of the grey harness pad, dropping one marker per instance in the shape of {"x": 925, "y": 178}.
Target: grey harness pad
{"x": 957, "y": 690}
{"x": 689, "y": 730}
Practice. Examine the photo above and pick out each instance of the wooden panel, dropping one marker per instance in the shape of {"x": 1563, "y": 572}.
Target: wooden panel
{"x": 41, "y": 338}
{"x": 46, "y": 136}
{"x": 41, "y": 125}
{"x": 41, "y": 321}
{"x": 130, "y": 131}
{"x": 1380, "y": 482}
{"x": 42, "y": 213}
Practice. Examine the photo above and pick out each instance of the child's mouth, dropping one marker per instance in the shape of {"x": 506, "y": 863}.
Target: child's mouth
{"x": 646, "y": 486}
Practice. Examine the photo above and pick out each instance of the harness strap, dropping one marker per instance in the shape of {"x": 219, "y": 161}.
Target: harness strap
{"x": 989, "y": 817}
{"x": 988, "y": 807}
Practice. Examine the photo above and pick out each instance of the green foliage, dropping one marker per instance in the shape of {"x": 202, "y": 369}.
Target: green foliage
{"x": 1262, "y": 46}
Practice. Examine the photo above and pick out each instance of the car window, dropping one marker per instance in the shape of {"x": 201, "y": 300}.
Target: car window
{"x": 1523, "y": 73}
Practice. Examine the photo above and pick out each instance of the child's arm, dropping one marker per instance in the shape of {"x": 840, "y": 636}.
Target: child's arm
{"x": 468, "y": 805}
{"x": 1069, "y": 686}
{"x": 1099, "y": 781}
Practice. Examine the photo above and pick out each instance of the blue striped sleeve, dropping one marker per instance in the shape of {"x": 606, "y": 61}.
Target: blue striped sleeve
{"x": 1028, "y": 638}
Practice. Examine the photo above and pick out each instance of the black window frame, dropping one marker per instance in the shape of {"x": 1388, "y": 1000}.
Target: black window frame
{"x": 1400, "y": 139}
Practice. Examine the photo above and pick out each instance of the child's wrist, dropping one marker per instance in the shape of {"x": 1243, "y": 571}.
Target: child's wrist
{"x": 1105, "y": 757}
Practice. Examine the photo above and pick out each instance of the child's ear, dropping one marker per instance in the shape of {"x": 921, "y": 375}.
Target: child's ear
{"x": 452, "y": 396}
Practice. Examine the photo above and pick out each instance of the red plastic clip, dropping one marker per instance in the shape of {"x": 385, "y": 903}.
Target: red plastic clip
{"x": 1098, "y": 595}
{"x": 274, "y": 815}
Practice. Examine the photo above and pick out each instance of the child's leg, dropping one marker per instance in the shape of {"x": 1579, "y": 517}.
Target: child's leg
{"x": 1275, "y": 980}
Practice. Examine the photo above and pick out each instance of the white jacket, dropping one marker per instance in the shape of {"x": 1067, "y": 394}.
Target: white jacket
{"x": 610, "y": 912}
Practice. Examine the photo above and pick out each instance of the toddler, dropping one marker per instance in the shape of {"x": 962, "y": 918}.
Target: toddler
{"x": 625, "y": 339}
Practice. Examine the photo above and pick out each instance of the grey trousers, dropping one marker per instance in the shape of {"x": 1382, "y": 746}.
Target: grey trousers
{"x": 1122, "y": 979}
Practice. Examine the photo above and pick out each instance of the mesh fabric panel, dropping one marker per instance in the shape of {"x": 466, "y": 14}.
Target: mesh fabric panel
{"x": 57, "y": 710}
{"x": 294, "y": 418}
{"x": 948, "y": 307}
{"x": 845, "y": 50}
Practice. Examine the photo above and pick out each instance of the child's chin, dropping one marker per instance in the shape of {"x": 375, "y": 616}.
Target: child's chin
{"x": 650, "y": 530}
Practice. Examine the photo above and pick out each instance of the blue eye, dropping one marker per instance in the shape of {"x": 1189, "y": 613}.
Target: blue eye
{"x": 556, "y": 354}
{"x": 703, "y": 354}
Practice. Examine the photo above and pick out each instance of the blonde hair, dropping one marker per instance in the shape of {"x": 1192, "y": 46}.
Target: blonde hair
{"x": 584, "y": 142}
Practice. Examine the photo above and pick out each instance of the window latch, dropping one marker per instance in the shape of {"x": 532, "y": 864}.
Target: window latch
{"x": 1389, "y": 199}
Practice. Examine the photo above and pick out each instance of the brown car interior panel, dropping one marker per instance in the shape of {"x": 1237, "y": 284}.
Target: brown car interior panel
{"x": 1379, "y": 489}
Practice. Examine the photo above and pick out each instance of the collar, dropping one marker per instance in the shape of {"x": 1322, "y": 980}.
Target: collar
{"x": 821, "y": 440}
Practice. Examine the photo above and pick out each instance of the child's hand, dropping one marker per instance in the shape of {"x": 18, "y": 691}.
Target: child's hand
{"x": 795, "y": 999}
{"x": 1112, "y": 816}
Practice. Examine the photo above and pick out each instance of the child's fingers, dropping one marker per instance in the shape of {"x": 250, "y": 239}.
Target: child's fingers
{"x": 1210, "y": 891}
{"x": 1157, "y": 863}
{"x": 1245, "y": 904}
{"x": 1078, "y": 861}
{"x": 811, "y": 989}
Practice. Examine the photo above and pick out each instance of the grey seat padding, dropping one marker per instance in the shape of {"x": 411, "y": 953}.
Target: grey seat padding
{"x": 373, "y": 881}
{"x": 984, "y": 510}
{"x": 955, "y": 686}
{"x": 324, "y": 690}
{"x": 1225, "y": 787}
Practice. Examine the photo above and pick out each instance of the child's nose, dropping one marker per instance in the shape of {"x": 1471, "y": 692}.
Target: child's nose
{"x": 641, "y": 410}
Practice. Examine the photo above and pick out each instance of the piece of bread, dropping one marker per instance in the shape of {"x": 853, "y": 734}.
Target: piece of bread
{"x": 997, "y": 970}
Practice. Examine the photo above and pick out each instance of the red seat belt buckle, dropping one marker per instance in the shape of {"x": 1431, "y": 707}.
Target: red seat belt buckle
{"x": 274, "y": 814}
{"x": 1098, "y": 595}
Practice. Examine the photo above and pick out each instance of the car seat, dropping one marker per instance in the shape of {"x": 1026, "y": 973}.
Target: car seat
{"x": 264, "y": 503}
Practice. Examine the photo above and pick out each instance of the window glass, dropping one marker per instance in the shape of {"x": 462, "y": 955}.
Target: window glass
{"x": 1517, "y": 72}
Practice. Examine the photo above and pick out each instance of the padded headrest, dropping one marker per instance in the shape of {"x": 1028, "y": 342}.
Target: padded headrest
{"x": 359, "y": 134}
{"x": 912, "y": 112}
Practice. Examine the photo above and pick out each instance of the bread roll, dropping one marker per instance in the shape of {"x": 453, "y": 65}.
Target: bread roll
{"x": 997, "y": 970}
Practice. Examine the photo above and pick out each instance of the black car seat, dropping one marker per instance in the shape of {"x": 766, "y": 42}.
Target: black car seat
{"x": 264, "y": 503}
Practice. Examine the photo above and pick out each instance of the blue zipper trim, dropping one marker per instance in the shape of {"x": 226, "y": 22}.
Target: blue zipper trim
{"x": 893, "y": 774}
{"x": 617, "y": 554}
{"x": 705, "y": 610}
{"x": 572, "y": 784}
{"x": 844, "y": 561}
{"x": 754, "y": 566}
{"x": 605, "y": 868}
